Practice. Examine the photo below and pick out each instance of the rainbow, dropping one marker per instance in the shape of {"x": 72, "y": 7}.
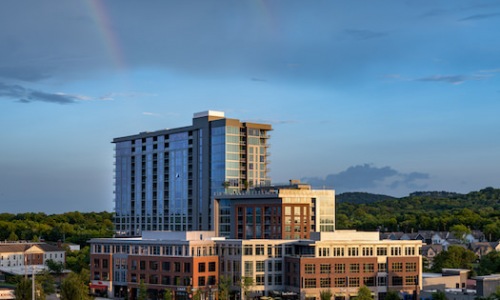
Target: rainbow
{"x": 109, "y": 39}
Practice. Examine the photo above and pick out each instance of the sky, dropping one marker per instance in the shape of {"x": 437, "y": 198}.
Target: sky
{"x": 386, "y": 97}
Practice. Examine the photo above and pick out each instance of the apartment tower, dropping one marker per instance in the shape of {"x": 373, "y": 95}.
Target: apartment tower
{"x": 165, "y": 180}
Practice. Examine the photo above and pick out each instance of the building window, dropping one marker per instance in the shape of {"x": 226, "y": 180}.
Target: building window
{"x": 352, "y": 251}
{"x": 310, "y": 268}
{"x": 201, "y": 267}
{"x": 201, "y": 281}
{"x": 278, "y": 279}
{"x": 397, "y": 280}
{"x": 247, "y": 250}
{"x": 354, "y": 268}
{"x": 338, "y": 251}
{"x": 177, "y": 266}
{"x": 324, "y": 251}
{"x": 339, "y": 268}
{"x": 382, "y": 281}
{"x": 397, "y": 267}
{"x": 165, "y": 266}
{"x": 339, "y": 282}
{"x": 368, "y": 268}
{"x": 249, "y": 268}
{"x": 411, "y": 280}
{"x": 259, "y": 279}
{"x": 211, "y": 266}
{"x": 260, "y": 266}
{"x": 325, "y": 268}
{"x": 369, "y": 281}
{"x": 259, "y": 249}
{"x": 187, "y": 267}
{"x": 381, "y": 251}
{"x": 395, "y": 251}
{"x": 382, "y": 267}
{"x": 367, "y": 251}
{"x": 353, "y": 281}
{"x": 325, "y": 282}
{"x": 310, "y": 283}
{"x": 411, "y": 267}
{"x": 409, "y": 251}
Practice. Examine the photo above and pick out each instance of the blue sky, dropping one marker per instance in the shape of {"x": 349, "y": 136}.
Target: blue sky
{"x": 378, "y": 96}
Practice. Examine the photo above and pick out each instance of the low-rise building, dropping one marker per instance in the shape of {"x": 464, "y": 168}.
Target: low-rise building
{"x": 16, "y": 257}
{"x": 191, "y": 262}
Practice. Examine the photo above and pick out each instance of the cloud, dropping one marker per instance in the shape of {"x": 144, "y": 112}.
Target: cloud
{"x": 480, "y": 17}
{"x": 26, "y": 95}
{"x": 146, "y": 113}
{"x": 368, "y": 177}
{"x": 458, "y": 79}
{"x": 453, "y": 79}
{"x": 363, "y": 34}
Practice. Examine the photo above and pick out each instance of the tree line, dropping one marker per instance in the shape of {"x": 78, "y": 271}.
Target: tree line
{"x": 74, "y": 227}
{"x": 479, "y": 210}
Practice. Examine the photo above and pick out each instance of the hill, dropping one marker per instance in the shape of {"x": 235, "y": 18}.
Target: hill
{"x": 361, "y": 198}
{"x": 425, "y": 211}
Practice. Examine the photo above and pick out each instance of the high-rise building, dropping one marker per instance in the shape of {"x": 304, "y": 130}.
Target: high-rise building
{"x": 165, "y": 180}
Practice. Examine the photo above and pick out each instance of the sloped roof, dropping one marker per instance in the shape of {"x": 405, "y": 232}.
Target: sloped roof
{"x": 22, "y": 247}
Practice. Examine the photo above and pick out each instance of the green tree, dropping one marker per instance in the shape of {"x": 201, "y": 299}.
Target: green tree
{"x": 46, "y": 281}
{"x": 460, "y": 231}
{"x": 489, "y": 264}
{"x": 73, "y": 288}
{"x": 246, "y": 285}
{"x": 142, "y": 292}
{"x": 13, "y": 236}
{"x": 55, "y": 267}
{"x": 224, "y": 284}
{"x": 455, "y": 257}
{"x": 364, "y": 293}
{"x": 439, "y": 295}
{"x": 23, "y": 289}
{"x": 167, "y": 294}
{"x": 325, "y": 294}
{"x": 392, "y": 295}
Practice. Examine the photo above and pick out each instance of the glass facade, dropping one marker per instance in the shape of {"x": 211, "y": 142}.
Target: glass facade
{"x": 178, "y": 195}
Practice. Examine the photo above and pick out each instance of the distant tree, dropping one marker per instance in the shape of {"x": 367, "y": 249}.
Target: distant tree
{"x": 167, "y": 294}
{"x": 364, "y": 293}
{"x": 46, "y": 281}
{"x": 73, "y": 288}
{"x": 13, "y": 236}
{"x": 489, "y": 264}
{"x": 392, "y": 295}
{"x": 142, "y": 292}
{"x": 224, "y": 284}
{"x": 23, "y": 289}
{"x": 55, "y": 267}
{"x": 76, "y": 261}
{"x": 455, "y": 257}
{"x": 246, "y": 285}
{"x": 439, "y": 295}
{"x": 460, "y": 231}
{"x": 325, "y": 294}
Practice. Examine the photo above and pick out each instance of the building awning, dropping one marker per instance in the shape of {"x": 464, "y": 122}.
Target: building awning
{"x": 98, "y": 286}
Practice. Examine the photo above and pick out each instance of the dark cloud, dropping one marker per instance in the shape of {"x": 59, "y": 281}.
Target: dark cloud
{"x": 481, "y": 17}
{"x": 363, "y": 34}
{"x": 368, "y": 177}
{"x": 24, "y": 95}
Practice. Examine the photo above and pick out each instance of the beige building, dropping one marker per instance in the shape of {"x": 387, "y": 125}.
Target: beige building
{"x": 275, "y": 212}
